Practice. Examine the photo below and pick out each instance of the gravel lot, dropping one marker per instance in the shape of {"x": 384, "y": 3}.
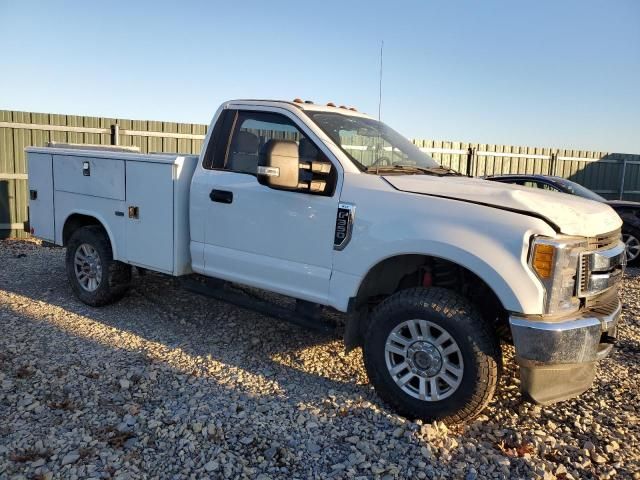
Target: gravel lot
{"x": 169, "y": 384}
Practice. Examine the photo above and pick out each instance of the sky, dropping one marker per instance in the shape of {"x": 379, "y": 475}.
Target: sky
{"x": 548, "y": 73}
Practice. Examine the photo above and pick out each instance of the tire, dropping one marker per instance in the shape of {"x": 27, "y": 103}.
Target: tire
{"x": 631, "y": 238}
{"x": 95, "y": 277}
{"x": 472, "y": 350}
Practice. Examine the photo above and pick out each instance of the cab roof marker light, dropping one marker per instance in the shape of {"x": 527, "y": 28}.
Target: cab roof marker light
{"x": 309, "y": 101}
{"x": 297, "y": 100}
{"x": 331, "y": 104}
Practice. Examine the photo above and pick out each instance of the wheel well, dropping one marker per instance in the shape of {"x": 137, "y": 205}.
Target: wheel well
{"x": 76, "y": 221}
{"x": 408, "y": 271}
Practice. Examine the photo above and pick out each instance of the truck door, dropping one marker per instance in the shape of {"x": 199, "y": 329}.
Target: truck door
{"x": 255, "y": 235}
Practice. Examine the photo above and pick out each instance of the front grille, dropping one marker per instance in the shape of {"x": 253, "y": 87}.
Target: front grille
{"x": 604, "y": 241}
{"x": 603, "y": 304}
{"x": 601, "y": 266}
{"x": 583, "y": 276}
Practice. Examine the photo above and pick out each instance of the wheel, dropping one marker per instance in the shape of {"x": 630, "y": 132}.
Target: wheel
{"x": 430, "y": 355}
{"x": 631, "y": 239}
{"x": 95, "y": 277}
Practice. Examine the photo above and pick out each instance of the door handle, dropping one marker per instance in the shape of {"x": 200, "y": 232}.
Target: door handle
{"x": 221, "y": 196}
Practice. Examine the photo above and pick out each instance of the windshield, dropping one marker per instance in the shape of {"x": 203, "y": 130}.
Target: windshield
{"x": 370, "y": 144}
{"x": 579, "y": 190}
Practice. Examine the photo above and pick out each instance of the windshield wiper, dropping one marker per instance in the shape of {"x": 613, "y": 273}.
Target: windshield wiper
{"x": 439, "y": 171}
{"x": 442, "y": 170}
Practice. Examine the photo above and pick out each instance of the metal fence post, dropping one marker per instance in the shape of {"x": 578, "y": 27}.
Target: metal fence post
{"x": 471, "y": 152}
{"x": 115, "y": 134}
{"x": 553, "y": 161}
{"x": 624, "y": 171}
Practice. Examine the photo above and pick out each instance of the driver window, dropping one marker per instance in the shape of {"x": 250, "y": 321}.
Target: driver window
{"x": 252, "y": 131}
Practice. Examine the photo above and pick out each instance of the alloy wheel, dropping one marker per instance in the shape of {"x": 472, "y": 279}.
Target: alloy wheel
{"x": 88, "y": 267}
{"x": 424, "y": 360}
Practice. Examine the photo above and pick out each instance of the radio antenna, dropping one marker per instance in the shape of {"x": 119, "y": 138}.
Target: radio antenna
{"x": 380, "y": 85}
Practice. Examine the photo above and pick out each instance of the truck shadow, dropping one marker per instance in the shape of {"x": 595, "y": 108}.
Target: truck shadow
{"x": 157, "y": 310}
{"x": 237, "y": 362}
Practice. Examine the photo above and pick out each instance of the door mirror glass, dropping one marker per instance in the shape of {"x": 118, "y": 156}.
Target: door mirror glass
{"x": 279, "y": 165}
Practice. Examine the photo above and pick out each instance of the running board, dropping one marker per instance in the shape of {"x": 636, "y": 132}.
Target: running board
{"x": 220, "y": 291}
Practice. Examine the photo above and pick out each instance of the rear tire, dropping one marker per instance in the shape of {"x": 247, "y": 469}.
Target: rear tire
{"x": 95, "y": 277}
{"x": 430, "y": 355}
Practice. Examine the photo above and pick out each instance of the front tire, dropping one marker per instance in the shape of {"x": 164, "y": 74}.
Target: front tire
{"x": 430, "y": 355}
{"x": 95, "y": 277}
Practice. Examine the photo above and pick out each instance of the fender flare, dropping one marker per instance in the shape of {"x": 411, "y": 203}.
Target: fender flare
{"x": 476, "y": 265}
{"x": 103, "y": 223}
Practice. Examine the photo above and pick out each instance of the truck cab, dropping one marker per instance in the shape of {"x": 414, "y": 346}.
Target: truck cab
{"x": 327, "y": 205}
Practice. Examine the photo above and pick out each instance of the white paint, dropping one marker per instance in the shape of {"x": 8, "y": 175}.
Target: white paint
{"x": 106, "y": 177}
{"x": 491, "y": 243}
{"x": 149, "y": 237}
{"x": 267, "y": 237}
{"x": 159, "y": 185}
{"x": 574, "y": 215}
{"x": 283, "y": 241}
{"x": 41, "y": 210}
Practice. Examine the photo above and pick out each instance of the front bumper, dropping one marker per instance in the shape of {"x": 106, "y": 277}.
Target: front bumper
{"x": 557, "y": 359}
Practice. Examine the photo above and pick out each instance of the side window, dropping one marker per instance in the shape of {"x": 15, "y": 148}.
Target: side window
{"x": 252, "y": 131}
{"x": 541, "y": 186}
{"x": 549, "y": 188}
{"x": 538, "y": 185}
{"x": 218, "y": 142}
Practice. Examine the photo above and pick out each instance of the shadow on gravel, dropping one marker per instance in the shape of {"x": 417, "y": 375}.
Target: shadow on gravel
{"x": 158, "y": 310}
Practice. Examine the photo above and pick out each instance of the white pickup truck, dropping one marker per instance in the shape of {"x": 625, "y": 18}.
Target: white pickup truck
{"x": 335, "y": 209}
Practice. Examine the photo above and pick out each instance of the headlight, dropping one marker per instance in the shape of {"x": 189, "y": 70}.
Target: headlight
{"x": 555, "y": 263}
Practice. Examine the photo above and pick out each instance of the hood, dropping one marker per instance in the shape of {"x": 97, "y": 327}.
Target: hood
{"x": 623, "y": 204}
{"x": 571, "y": 214}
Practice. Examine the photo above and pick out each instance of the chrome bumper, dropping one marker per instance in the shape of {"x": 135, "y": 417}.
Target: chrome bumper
{"x": 557, "y": 359}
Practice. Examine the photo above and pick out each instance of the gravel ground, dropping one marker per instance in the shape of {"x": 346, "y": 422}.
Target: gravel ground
{"x": 168, "y": 384}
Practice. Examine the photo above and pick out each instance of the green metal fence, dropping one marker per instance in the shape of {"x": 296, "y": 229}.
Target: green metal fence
{"x": 612, "y": 175}
{"x": 22, "y": 129}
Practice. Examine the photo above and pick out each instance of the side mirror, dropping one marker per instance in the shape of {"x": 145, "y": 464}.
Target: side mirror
{"x": 279, "y": 165}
